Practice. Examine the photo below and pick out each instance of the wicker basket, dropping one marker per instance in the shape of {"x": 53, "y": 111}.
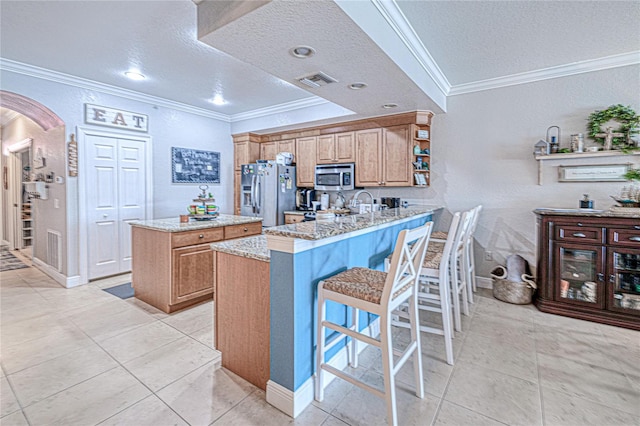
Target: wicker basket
{"x": 518, "y": 293}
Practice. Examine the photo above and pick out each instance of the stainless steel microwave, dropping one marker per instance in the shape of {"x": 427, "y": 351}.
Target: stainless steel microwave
{"x": 335, "y": 177}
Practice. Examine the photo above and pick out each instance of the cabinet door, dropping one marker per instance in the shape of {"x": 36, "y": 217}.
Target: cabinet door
{"x": 268, "y": 150}
{"x": 288, "y": 146}
{"x": 624, "y": 280}
{"x": 579, "y": 275}
{"x": 192, "y": 272}
{"x": 368, "y": 157}
{"x": 326, "y": 149}
{"x": 245, "y": 153}
{"x": 306, "y": 162}
{"x": 396, "y": 157}
{"x": 237, "y": 179}
{"x": 346, "y": 147}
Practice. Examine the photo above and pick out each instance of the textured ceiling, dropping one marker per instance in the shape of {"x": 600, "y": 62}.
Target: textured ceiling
{"x": 470, "y": 41}
{"x": 478, "y": 40}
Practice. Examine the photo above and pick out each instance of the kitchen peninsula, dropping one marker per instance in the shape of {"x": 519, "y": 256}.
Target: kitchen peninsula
{"x": 172, "y": 263}
{"x": 271, "y": 337}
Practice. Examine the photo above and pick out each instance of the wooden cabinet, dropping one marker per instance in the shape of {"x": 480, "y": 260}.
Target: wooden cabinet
{"x": 383, "y": 157}
{"x": 246, "y": 150}
{"x": 242, "y": 316}
{"x": 306, "y": 161}
{"x": 589, "y": 268}
{"x": 293, "y": 218}
{"x": 336, "y": 148}
{"x": 268, "y": 150}
{"x": 173, "y": 270}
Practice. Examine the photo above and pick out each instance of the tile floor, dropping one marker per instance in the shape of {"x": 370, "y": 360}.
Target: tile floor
{"x": 83, "y": 357}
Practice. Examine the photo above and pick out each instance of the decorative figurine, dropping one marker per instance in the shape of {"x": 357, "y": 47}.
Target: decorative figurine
{"x": 608, "y": 138}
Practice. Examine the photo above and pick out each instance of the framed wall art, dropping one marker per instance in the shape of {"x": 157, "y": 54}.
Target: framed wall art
{"x": 194, "y": 166}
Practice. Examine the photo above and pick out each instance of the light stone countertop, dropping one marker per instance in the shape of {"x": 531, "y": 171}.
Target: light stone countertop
{"x": 251, "y": 247}
{"x": 615, "y": 212}
{"x": 317, "y": 230}
{"x": 173, "y": 224}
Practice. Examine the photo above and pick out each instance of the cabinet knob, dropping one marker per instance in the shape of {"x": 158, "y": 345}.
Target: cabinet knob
{"x": 634, "y": 238}
{"x": 579, "y": 223}
{"x": 245, "y": 229}
{"x": 579, "y": 235}
{"x": 201, "y": 236}
{"x": 612, "y": 278}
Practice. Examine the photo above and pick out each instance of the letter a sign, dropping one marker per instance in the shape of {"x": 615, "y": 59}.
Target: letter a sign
{"x": 111, "y": 117}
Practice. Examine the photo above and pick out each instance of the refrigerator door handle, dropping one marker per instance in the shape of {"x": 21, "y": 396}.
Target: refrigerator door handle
{"x": 253, "y": 193}
{"x": 258, "y": 193}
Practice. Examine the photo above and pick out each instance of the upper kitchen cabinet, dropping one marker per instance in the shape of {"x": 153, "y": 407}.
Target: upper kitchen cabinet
{"x": 383, "y": 157}
{"x": 269, "y": 150}
{"x": 246, "y": 149}
{"x": 336, "y": 148}
{"x": 306, "y": 161}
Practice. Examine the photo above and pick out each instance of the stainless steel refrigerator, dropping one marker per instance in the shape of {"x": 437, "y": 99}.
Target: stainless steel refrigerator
{"x": 268, "y": 190}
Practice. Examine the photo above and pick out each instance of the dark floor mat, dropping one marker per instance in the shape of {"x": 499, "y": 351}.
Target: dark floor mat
{"x": 8, "y": 261}
{"x": 123, "y": 291}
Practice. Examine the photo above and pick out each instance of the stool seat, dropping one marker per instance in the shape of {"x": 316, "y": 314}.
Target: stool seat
{"x": 439, "y": 235}
{"x": 361, "y": 283}
{"x": 435, "y": 246}
{"x": 432, "y": 259}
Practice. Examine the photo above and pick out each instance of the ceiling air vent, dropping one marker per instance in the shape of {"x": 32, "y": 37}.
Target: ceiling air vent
{"x": 316, "y": 80}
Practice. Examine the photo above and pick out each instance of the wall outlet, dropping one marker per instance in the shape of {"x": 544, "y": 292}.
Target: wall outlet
{"x": 488, "y": 256}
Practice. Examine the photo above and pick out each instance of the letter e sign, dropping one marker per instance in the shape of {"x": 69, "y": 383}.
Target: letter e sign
{"x": 111, "y": 117}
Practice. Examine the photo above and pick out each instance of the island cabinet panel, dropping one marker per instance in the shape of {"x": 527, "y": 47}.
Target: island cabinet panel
{"x": 306, "y": 161}
{"x": 396, "y": 157}
{"x": 173, "y": 270}
{"x": 368, "y": 153}
{"x": 192, "y": 272}
{"x": 242, "y": 317}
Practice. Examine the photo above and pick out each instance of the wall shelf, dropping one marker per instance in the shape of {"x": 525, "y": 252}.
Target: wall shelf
{"x": 572, "y": 155}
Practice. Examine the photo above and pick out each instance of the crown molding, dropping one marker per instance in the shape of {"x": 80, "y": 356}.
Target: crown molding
{"x": 391, "y": 13}
{"x": 280, "y": 108}
{"x": 83, "y": 83}
{"x": 614, "y": 61}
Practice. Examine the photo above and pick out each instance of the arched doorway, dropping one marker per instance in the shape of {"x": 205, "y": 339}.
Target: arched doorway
{"x": 46, "y": 133}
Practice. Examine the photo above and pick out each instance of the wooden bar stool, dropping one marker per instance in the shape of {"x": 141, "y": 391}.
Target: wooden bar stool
{"x": 379, "y": 293}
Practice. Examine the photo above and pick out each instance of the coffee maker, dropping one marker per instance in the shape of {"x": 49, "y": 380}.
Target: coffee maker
{"x": 390, "y": 202}
{"x": 304, "y": 197}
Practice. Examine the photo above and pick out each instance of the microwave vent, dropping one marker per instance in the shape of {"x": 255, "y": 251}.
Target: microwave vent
{"x": 318, "y": 79}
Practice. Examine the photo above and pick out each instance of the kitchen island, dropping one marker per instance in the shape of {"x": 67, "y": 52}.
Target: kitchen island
{"x": 281, "y": 309}
{"x": 172, "y": 263}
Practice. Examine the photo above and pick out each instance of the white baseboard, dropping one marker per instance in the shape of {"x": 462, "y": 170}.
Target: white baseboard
{"x": 61, "y": 279}
{"x": 292, "y": 403}
{"x": 484, "y": 282}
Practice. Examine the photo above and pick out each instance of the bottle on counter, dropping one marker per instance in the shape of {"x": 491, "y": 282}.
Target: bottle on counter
{"x": 324, "y": 201}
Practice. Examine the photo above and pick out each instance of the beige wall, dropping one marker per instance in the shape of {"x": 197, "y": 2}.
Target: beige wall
{"x": 52, "y": 143}
{"x": 482, "y": 154}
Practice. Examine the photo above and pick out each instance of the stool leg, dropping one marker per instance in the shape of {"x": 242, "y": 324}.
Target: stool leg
{"x": 457, "y": 320}
{"x": 320, "y": 347}
{"x": 353, "y": 347}
{"x": 387, "y": 367}
{"x": 447, "y": 324}
{"x": 414, "y": 320}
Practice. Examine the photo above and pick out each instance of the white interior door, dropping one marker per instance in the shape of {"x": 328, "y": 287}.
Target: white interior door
{"x": 116, "y": 193}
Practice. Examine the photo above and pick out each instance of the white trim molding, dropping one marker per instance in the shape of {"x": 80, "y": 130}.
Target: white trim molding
{"x": 292, "y": 403}
{"x": 279, "y": 109}
{"x": 614, "y": 61}
{"x": 58, "y": 277}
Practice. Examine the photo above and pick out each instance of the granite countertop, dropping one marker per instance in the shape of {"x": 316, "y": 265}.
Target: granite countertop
{"x": 173, "y": 224}
{"x": 298, "y": 212}
{"x": 252, "y": 247}
{"x": 613, "y": 212}
{"x": 317, "y": 230}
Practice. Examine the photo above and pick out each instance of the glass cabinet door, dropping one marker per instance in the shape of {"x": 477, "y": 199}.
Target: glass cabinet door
{"x": 624, "y": 280}
{"x": 579, "y": 272}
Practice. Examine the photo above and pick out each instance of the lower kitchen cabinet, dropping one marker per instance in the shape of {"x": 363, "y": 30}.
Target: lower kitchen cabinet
{"x": 174, "y": 270}
{"x": 589, "y": 267}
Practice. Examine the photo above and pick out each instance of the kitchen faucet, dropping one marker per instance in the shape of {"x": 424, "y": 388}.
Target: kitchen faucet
{"x": 357, "y": 194}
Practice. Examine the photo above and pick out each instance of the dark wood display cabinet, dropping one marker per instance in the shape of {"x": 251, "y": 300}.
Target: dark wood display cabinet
{"x": 589, "y": 266}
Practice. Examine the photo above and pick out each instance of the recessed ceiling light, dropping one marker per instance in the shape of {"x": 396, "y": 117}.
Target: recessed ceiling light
{"x": 302, "y": 51}
{"x": 357, "y": 86}
{"x": 135, "y": 75}
{"x": 389, "y": 106}
{"x": 218, "y": 100}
